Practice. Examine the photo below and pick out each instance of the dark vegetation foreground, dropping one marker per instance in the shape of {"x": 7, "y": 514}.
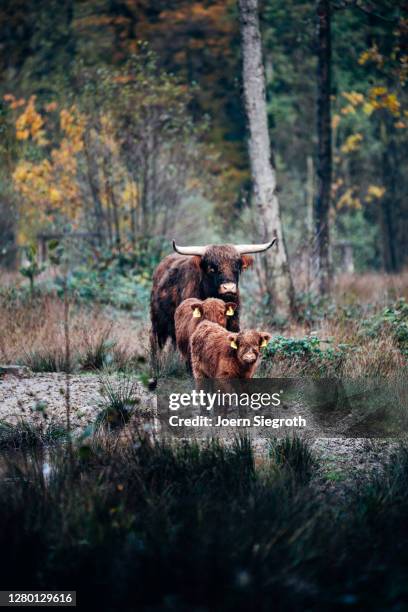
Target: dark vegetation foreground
{"x": 157, "y": 526}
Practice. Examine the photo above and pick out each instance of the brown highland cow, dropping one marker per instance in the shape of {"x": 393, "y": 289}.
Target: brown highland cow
{"x": 199, "y": 272}
{"x": 217, "y": 353}
{"x": 193, "y": 312}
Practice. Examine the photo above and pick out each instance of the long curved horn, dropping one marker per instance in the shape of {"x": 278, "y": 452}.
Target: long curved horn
{"x": 254, "y": 248}
{"x": 189, "y": 250}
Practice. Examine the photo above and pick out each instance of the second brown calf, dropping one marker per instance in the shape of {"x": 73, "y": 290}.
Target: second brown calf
{"x": 193, "y": 312}
{"x": 218, "y": 353}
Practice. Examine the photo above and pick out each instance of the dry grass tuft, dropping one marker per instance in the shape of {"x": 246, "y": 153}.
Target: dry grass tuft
{"x": 32, "y": 334}
{"x": 370, "y": 288}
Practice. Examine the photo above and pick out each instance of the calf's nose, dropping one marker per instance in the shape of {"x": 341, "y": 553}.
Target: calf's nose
{"x": 228, "y": 288}
{"x": 249, "y": 357}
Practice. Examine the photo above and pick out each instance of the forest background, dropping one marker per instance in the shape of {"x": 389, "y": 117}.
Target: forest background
{"x": 123, "y": 124}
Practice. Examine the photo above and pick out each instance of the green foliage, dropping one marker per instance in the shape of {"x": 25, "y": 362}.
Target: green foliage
{"x": 31, "y": 268}
{"x": 125, "y": 292}
{"x": 24, "y": 435}
{"x": 393, "y": 320}
{"x": 46, "y": 359}
{"x": 290, "y": 53}
{"x": 99, "y": 353}
{"x": 121, "y": 280}
{"x": 188, "y": 519}
{"x": 293, "y": 456}
{"x": 364, "y": 236}
{"x": 306, "y": 352}
{"x": 121, "y": 396}
{"x": 312, "y": 308}
{"x": 293, "y": 347}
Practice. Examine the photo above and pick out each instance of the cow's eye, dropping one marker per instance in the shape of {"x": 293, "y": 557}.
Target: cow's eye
{"x": 211, "y": 270}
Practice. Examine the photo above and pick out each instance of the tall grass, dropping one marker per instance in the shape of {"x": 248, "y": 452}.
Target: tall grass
{"x": 162, "y": 526}
{"x": 25, "y": 435}
{"x": 32, "y": 334}
{"x": 121, "y": 394}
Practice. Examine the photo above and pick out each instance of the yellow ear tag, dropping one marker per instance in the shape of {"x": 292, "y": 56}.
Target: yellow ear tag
{"x": 264, "y": 343}
{"x": 230, "y": 312}
{"x": 233, "y": 344}
{"x": 196, "y": 313}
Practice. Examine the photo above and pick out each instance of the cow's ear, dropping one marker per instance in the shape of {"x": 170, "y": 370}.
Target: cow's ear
{"x": 197, "y": 309}
{"x": 264, "y": 338}
{"x": 230, "y": 309}
{"x": 246, "y": 261}
{"x": 232, "y": 340}
{"x": 196, "y": 259}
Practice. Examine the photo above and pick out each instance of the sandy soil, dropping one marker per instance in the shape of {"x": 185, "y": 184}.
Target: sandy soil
{"x": 33, "y": 396}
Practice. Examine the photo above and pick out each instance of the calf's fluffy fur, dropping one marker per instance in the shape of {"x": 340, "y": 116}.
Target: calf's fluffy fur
{"x": 218, "y": 353}
{"x": 193, "y": 312}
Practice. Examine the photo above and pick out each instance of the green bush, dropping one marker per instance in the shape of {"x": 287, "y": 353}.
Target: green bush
{"x": 306, "y": 352}
{"x": 24, "y": 435}
{"x": 119, "y": 278}
{"x": 394, "y": 320}
{"x": 121, "y": 396}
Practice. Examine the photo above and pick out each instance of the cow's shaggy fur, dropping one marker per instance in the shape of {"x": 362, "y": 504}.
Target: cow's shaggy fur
{"x": 179, "y": 277}
{"x": 217, "y": 353}
{"x": 193, "y": 312}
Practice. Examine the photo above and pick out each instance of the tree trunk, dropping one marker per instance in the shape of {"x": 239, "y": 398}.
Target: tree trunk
{"x": 278, "y": 280}
{"x": 389, "y": 202}
{"x": 324, "y": 157}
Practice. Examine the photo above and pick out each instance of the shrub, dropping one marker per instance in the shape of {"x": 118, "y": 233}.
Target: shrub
{"x": 121, "y": 396}
{"x": 306, "y": 354}
{"x": 294, "y": 456}
{"x": 394, "y": 320}
{"x": 45, "y": 359}
{"x": 24, "y": 435}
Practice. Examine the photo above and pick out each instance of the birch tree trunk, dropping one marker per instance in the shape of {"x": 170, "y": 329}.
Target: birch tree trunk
{"x": 277, "y": 277}
{"x": 324, "y": 156}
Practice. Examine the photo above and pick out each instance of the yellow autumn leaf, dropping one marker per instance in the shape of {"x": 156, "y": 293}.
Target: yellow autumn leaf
{"x": 375, "y": 192}
{"x": 372, "y": 55}
{"x": 348, "y": 110}
{"x": 55, "y": 196}
{"x": 22, "y": 134}
{"x": 355, "y": 98}
{"x": 364, "y": 57}
{"x": 352, "y": 143}
{"x": 378, "y": 91}
{"x": 391, "y": 102}
{"x": 130, "y": 192}
{"x": 348, "y": 200}
{"x": 335, "y": 121}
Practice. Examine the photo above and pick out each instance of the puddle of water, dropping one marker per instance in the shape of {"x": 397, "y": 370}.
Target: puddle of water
{"x": 18, "y": 463}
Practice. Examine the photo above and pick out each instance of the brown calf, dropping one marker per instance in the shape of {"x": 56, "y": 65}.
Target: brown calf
{"x": 192, "y": 312}
{"x": 217, "y": 353}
